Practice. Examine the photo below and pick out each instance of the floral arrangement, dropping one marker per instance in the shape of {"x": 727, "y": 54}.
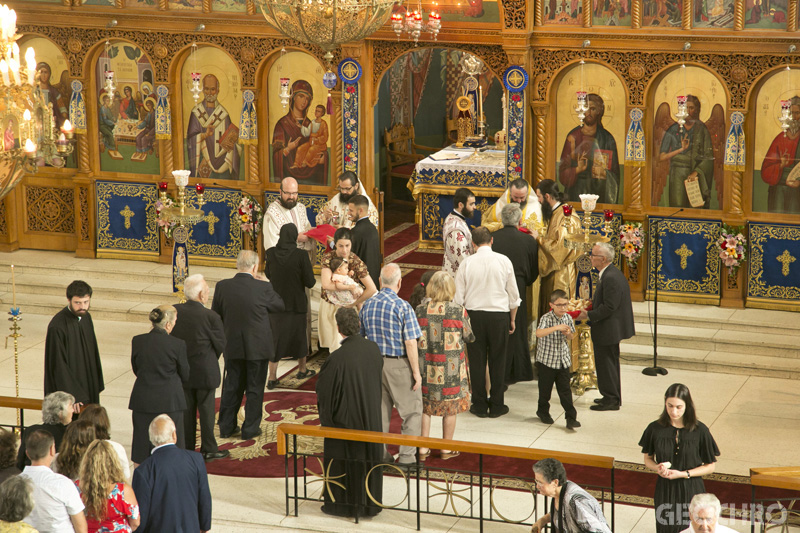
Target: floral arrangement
{"x": 631, "y": 240}
{"x": 163, "y": 223}
{"x": 732, "y": 247}
{"x": 249, "y": 216}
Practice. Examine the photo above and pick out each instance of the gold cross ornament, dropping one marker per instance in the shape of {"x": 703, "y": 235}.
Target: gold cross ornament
{"x": 127, "y": 213}
{"x": 515, "y": 78}
{"x": 785, "y": 259}
{"x": 211, "y": 219}
{"x": 349, "y": 70}
{"x": 684, "y": 252}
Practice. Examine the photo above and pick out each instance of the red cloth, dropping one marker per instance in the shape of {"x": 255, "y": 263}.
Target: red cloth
{"x": 321, "y": 233}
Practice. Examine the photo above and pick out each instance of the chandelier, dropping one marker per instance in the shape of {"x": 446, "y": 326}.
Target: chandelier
{"x": 326, "y": 23}
{"x": 412, "y": 23}
{"x": 28, "y": 124}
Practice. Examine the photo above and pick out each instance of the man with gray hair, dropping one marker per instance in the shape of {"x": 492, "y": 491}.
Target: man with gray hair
{"x": 202, "y": 331}
{"x": 390, "y": 322}
{"x": 612, "y": 322}
{"x": 704, "y": 511}
{"x": 523, "y": 252}
{"x": 244, "y": 303}
{"x": 171, "y": 485}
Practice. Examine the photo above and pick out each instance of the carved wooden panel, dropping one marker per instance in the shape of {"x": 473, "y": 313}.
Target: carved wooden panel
{"x": 83, "y": 205}
{"x": 3, "y": 225}
{"x": 738, "y": 71}
{"x": 50, "y": 209}
{"x": 514, "y": 14}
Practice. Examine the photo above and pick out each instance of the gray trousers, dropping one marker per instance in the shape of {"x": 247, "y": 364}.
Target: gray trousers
{"x": 397, "y": 383}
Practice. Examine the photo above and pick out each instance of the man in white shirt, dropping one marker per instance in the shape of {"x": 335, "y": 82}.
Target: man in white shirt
{"x": 455, "y": 233}
{"x": 58, "y": 508}
{"x": 487, "y": 288}
{"x": 335, "y": 211}
{"x": 284, "y": 210}
{"x": 704, "y": 511}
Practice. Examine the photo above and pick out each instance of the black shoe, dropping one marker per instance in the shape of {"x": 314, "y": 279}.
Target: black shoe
{"x": 252, "y": 436}
{"x": 233, "y": 433}
{"x": 547, "y": 419}
{"x": 572, "y": 424}
{"x": 307, "y": 374}
{"x": 271, "y": 384}
{"x": 605, "y": 407}
{"x": 477, "y": 412}
{"x": 498, "y": 412}
{"x": 219, "y": 454}
{"x": 598, "y": 400}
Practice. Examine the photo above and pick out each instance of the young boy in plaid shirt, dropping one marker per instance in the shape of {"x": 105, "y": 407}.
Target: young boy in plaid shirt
{"x": 554, "y": 358}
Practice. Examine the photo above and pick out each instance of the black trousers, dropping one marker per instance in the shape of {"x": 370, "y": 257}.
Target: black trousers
{"x": 491, "y": 341}
{"x": 201, "y": 400}
{"x": 248, "y": 378}
{"x": 606, "y": 362}
{"x": 559, "y": 376}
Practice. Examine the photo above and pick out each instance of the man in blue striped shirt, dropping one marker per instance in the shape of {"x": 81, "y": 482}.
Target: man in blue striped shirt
{"x": 390, "y": 322}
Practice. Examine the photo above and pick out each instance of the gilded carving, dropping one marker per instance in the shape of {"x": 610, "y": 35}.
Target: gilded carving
{"x": 74, "y": 45}
{"x": 739, "y": 73}
{"x": 514, "y": 14}
{"x": 50, "y": 209}
{"x": 160, "y": 51}
{"x": 636, "y": 70}
{"x": 247, "y": 55}
{"x": 83, "y": 212}
{"x": 3, "y": 226}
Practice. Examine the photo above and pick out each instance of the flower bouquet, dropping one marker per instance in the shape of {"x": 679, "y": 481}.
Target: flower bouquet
{"x": 732, "y": 247}
{"x": 631, "y": 241}
{"x": 166, "y": 225}
{"x": 249, "y": 216}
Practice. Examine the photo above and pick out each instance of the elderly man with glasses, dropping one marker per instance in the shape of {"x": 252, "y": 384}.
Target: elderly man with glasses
{"x": 335, "y": 211}
{"x": 704, "y": 511}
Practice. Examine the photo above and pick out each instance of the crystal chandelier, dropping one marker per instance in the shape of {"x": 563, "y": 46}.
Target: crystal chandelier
{"x": 412, "y": 23}
{"x": 29, "y": 132}
{"x": 326, "y": 23}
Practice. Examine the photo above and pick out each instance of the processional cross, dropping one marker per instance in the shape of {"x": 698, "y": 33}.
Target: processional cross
{"x": 684, "y": 252}
{"x": 211, "y": 219}
{"x": 127, "y": 213}
{"x": 785, "y": 259}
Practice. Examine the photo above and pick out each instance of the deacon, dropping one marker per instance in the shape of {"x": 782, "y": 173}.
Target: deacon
{"x": 456, "y": 234}
{"x": 335, "y": 211}
{"x": 349, "y": 397}
{"x": 202, "y": 331}
{"x": 612, "y": 321}
{"x": 71, "y": 358}
{"x": 521, "y": 194}
{"x": 391, "y": 323}
{"x": 487, "y": 287}
{"x": 284, "y": 210}
{"x": 244, "y": 303}
{"x": 364, "y": 236}
{"x": 523, "y": 252}
{"x": 556, "y": 261}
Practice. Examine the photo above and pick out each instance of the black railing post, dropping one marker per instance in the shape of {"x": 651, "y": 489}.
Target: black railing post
{"x": 480, "y": 493}
{"x": 753, "y": 510}
{"x": 613, "y": 497}
{"x": 294, "y": 456}
{"x": 286, "y": 471}
{"x": 419, "y": 513}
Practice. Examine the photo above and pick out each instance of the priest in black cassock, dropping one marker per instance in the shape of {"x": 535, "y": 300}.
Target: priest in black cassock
{"x": 71, "y": 358}
{"x": 523, "y": 251}
{"x": 349, "y": 396}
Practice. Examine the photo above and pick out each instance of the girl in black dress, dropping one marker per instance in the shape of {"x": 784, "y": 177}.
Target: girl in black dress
{"x": 681, "y": 450}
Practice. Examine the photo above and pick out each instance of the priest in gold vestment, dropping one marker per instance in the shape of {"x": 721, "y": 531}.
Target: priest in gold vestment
{"x": 556, "y": 262}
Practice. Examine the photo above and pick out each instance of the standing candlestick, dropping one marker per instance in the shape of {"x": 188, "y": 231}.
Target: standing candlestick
{"x": 480, "y": 105}
{"x": 13, "y": 288}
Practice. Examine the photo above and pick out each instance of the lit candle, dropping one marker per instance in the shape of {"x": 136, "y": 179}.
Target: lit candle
{"x": 30, "y": 62}
{"x": 26, "y": 115}
{"x": 608, "y": 214}
{"x": 480, "y": 102}
{"x": 68, "y": 129}
{"x": 13, "y": 66}
{"x": 15, "y": 51}
{"x": 200, "y": 188}
{"x": 13, "y": 289}
{"x": 4, "y": 71}
{"x": 163, "y": 186}
{"x": 30, "y": 148}
{"x": 567, "y": 210}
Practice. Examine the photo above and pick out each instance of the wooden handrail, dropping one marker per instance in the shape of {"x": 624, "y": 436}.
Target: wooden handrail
{"x": 21, "y": 403}
{"x": 598, "y": 461}
{"x": 783, "y": 477}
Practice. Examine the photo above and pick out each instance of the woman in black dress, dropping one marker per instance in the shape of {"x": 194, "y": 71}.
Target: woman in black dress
{"x": 289, "y": 270}
{"x": 681, "y": 450}
{"x": 161, "y": 367}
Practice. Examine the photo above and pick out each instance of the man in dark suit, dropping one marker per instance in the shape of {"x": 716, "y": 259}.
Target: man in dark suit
{"x": 244, "y": 303}
{"x": 611, "y": 319}
{"x": 171, "y": 485}
{"x": 364, "y": 236}
{"x": 204, "y": 335}
{"x": 523, "y": 251}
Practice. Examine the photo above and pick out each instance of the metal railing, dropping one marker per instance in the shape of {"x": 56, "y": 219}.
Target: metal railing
{"x": 771, "y": 511}
{"x": 468, "y": 487}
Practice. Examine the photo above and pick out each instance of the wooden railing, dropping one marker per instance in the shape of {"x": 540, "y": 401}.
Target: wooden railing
{"x": 765, "y": 508}
{"x": 21, "y": 404}
{"x": 287, "y": 435}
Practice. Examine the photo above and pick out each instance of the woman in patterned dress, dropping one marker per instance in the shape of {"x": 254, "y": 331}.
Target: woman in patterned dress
{"x": 110, "y": 502}
{"x": 442, "y": 358}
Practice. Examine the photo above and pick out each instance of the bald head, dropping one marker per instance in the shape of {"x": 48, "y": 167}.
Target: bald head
{"x": 162, "y": 431}
{"x": 288, "y": 193}
{"x": 391, "y": 276}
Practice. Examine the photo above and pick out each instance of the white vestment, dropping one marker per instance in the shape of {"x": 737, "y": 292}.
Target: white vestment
{"x": 337, "y": 205}
{"x": 457, "y": 242}
{"x": 277, "y": 215}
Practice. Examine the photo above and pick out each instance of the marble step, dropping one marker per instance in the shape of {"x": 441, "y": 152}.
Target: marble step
{"x": 710, "y": 361}
{"x": 131, "y": 289}
{"x": 743, "y": 342}
{"x": 104, "y": 308}
{"x": 766, "y": 322}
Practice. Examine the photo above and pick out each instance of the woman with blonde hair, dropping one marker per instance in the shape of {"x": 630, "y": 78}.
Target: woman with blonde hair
{"x": 161, "y": 367}
{"x": 77, "y": 438}
{"x": 110, "y": 502}
{"x": 442, "y": 358}
{"x": 97, "y": 415}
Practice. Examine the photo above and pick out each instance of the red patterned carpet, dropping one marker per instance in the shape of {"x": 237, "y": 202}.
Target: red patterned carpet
{"x": 401, "y": 247}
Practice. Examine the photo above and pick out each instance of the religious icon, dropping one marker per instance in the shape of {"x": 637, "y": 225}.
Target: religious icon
{"x": 585, "y": 289}
{"x": 780, "y": 168}
{"x": 771, "y": 14}
{"x": 212, "y": 136}
{"x": 611, "y": 13}
{"x": 589, "y": 162}
{"x": 689, "y": 158}
{"x": 713, "y": 14}
{"x": 663, "y": 13}
{"x": 568, "y": 12}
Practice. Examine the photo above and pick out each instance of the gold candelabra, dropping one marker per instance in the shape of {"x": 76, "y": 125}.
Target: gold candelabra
{"x": 585, "y": 238}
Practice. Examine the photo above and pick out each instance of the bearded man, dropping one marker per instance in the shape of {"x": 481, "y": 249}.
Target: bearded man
{"x": 335, "y": 211}
{"x": 782, "y": 157}
{"x": 521, "y": 194}
{"x": 455, "y": 233}
{"x": 284, "y": 210}
{"x": 211, "y": 137}
{"x": 589, "y": 162}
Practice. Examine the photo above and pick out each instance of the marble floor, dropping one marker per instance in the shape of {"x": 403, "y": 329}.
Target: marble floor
{"x": 753, "y": 419}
